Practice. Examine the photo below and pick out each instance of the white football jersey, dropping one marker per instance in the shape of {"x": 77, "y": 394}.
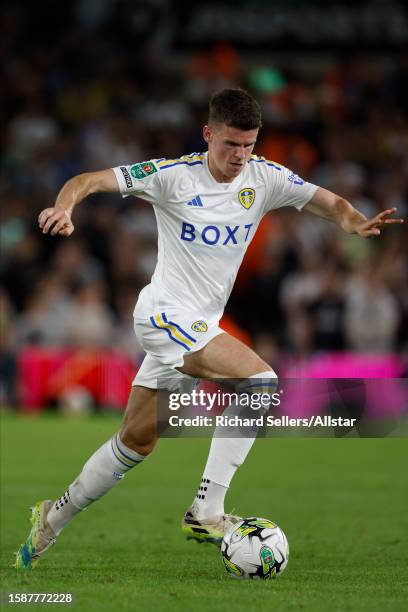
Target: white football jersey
{"x": 205, "y": 227}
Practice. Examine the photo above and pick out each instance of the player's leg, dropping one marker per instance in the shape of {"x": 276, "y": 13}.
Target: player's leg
{"x": 103, "y": 470}
{"x": 109, "y": 464}
{"x": 224, "y": 357}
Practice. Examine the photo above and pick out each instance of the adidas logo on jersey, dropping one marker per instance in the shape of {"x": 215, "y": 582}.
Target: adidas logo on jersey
{"x": 195, "y": 202}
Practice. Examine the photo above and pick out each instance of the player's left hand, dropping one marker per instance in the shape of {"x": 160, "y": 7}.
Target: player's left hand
{"x": 373, "y": 226}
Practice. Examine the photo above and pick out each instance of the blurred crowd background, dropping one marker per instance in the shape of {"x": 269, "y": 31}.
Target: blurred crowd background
{"x": 90, "y": 85}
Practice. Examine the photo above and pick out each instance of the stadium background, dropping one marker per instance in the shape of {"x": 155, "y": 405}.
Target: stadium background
{"x": 97, "y": 84}
{"x": 92, "y": 84}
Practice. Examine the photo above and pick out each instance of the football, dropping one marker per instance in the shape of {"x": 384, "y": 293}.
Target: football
{"x": 255, "y": 548}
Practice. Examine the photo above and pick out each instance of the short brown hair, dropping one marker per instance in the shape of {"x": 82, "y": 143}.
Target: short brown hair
{"x": 236, "y": 108}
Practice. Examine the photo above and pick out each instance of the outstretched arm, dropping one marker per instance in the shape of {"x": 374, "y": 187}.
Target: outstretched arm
{"x": 57, "y": 220}
{"x": 330, "y": 206}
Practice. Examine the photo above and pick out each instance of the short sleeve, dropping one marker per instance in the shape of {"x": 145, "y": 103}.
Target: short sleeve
{"x": 141, "y": 179}
{"x": 284, "y": 188}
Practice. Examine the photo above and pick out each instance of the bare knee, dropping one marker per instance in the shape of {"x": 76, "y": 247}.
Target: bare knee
{"x": 139, "y": 427}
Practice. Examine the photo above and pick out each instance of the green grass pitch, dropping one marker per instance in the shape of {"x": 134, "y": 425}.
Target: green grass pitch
{"x": 342, "y": 503}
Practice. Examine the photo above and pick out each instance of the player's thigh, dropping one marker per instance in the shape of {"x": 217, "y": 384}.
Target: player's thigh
{"x": 224, "y": 357}
{"x": 139, "y": 427}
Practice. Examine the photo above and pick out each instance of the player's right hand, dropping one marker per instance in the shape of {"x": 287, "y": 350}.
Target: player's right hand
{"x": 55, "y": 222}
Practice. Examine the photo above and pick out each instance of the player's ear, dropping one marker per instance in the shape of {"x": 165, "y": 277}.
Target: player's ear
{"x": 207, "y": 133}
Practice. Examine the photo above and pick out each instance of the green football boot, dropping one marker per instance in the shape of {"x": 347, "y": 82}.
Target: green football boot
{"x": 40, "y": 538}
{"x": 211, "y": 530}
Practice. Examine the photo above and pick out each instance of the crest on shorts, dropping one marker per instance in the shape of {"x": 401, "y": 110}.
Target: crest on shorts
{"x": 199, "y": 326}
{"x": 246, "y": 197}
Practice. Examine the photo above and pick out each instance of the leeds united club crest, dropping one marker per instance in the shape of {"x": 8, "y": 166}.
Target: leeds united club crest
{"x": 246, "y": 197}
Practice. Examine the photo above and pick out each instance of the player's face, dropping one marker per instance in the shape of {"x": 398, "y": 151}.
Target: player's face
{"x": 229, "y": 149}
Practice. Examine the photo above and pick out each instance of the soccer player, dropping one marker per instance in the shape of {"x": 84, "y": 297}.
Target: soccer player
{"x": 208, "y": 207}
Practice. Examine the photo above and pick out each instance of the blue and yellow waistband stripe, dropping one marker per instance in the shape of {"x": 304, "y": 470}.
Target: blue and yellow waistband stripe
{"x": 187, "y": 160}
{"x": 120, "y": 455}
{"x": 268, "y": 162}
{"x": 175, "y": 332}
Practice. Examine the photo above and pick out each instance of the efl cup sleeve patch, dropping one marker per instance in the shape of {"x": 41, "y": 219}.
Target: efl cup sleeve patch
{"x": 141, "y": 171}
{"x": 141, "y": 179}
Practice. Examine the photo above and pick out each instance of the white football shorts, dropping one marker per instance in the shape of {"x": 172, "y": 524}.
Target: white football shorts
{"x": 167, "y": 336}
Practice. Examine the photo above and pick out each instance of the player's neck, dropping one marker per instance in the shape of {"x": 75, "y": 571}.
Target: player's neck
{"x": 216, "y": 173}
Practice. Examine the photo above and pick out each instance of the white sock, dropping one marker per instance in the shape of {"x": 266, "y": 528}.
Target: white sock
{"x": 209, "y": 501}
{"x": 225, "y": 456}
{"x": 103, "y": 470}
